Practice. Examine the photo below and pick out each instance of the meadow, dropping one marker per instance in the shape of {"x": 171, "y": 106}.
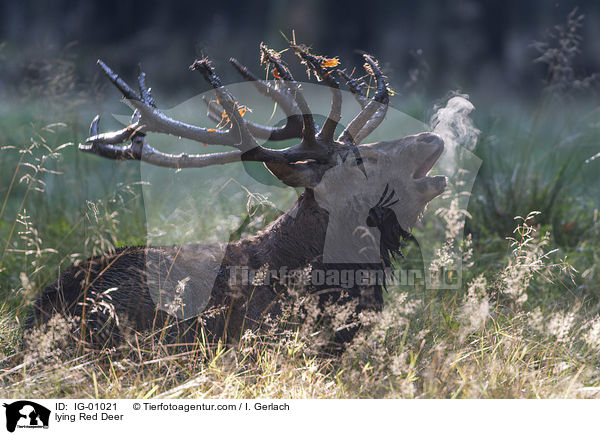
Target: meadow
{"x": 524, "y": 324}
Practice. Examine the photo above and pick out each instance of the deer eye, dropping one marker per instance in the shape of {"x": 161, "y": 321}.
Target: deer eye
{"x": 364, "y": 160}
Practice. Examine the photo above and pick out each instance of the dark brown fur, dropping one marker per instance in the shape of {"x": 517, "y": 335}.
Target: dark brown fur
{"x": 292, "y": 242}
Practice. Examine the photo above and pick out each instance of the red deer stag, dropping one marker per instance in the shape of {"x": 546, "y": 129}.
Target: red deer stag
{"x": 381, "y": 188}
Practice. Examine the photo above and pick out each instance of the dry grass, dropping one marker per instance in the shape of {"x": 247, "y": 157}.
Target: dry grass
{"x": 488, "y": 341}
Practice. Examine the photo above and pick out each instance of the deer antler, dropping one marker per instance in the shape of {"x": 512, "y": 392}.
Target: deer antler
{"x": 285, "y": 100}
{"x": 300, "y": 165}
{"x": 373, "y": 112}
{"x": 335, "y": 114}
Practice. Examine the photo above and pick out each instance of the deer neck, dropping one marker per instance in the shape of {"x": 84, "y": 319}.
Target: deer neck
{"x": 295, "y": 239}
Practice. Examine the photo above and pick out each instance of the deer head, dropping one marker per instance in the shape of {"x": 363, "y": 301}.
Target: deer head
{"x": 361, "y": 186}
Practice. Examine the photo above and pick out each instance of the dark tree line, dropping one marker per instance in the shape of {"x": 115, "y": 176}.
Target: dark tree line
{"x": 450, "y": 44}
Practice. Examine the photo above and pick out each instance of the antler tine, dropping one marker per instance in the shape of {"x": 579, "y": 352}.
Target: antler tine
{"x": 138, "y": 149}
{"x": 284, "y": 99}
{"x": 149, "y": 118}
{"x": 228, "y": 102}
{"x": 144, "y": 94}
{"x": 125, "y": 89}
{"x": 107, "y": 150}
{"x": 356, "y": 87}
{"x": 371, "y": 124}
{"x": 335, "y": 113}
{"x": 372, "y": 114}
{"x": 308, "y": 128}
{"x": 144, "y": 90}
{"x": 293, "y": 126}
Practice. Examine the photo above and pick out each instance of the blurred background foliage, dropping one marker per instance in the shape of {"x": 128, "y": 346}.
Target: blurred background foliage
{"x": 533, "y": 86}
{"x": 485, "y": 47}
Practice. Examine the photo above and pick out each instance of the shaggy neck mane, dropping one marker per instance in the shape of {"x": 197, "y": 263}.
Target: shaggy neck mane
{"x": 295, "y": 239}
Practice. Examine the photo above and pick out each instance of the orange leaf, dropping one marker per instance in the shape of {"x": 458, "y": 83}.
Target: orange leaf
{"x": 330, "y": 63}
{"x": 211, "y": 130}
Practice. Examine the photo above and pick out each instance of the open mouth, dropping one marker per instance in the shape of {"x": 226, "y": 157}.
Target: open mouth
{"x": 428, "y": 163}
